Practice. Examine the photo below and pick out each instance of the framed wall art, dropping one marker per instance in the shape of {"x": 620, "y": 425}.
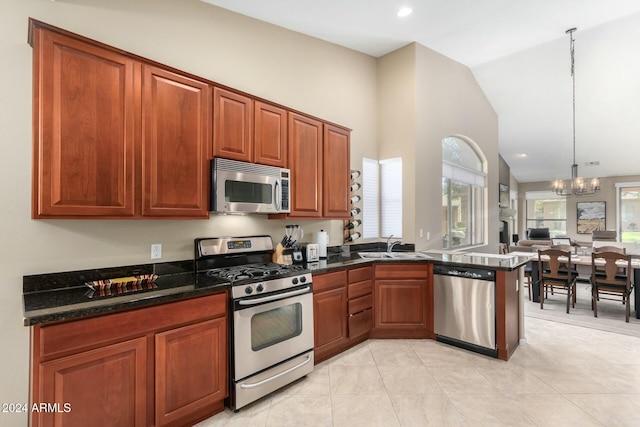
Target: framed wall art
{"x": 591, "y": 216}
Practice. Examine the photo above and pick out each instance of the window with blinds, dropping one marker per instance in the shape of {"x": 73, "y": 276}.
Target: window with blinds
{"x": 382, "y": 198}
{"x": 391, "y": 197}
{"x": 463, "y": 188}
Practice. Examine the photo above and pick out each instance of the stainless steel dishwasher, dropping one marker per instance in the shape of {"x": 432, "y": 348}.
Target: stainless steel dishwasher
{"x": 465, "y": 308}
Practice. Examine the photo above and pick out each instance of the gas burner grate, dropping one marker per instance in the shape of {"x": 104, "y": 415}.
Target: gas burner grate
{"x": 253, "y": 271}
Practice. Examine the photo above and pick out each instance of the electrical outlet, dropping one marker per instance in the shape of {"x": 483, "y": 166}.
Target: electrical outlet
{"x": 156, "y": 251}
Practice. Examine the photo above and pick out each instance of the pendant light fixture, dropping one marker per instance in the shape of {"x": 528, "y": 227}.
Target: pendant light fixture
{"x": 577, "y": 186}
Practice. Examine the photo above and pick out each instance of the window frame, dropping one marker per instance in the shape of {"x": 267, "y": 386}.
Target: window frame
{"x": 548, "y": 196}
{"x": 476, "y": 180}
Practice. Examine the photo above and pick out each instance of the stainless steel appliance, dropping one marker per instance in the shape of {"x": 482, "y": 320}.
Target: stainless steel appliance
{"x": 465, "y": 308}
{"x": 310, "y": 252}
{"x": 272, "y": 314}
{"x": 247, "y": 187}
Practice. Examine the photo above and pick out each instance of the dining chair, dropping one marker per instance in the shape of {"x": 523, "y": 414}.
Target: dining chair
{"x": 611, "y": 276}
{"x": 555, "y": 271}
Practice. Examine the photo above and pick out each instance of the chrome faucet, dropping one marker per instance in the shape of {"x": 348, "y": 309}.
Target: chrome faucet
{"x": 390, "y": 245}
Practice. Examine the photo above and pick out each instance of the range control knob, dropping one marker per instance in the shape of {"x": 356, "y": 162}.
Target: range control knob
{"x": 248, "y": 290}
{"x": 295, "y": 281}
{"x": 260, "y": 288}
{"x": 303, "y": 279}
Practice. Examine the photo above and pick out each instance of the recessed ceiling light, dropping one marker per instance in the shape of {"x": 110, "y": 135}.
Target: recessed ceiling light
{"x": 522, "y": 155}
{"x": 404, "y": 11}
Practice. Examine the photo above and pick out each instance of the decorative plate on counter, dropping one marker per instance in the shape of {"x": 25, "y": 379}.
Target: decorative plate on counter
{"x": 122, "y": 285}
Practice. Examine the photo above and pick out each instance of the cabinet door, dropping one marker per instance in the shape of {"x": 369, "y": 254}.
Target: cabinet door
{"x": 305, "y": 162}
{"x": 83, "y": 129}
{"x": 270, "y": 135}
{"x": 191, "y": 370}
{"x": 401, "y": 305}
{"x": 232, "y": 125}
{"x": 176, "y": 117}
{"x": 106, "y": 386}
{"x": 337, "y": 173}
{"x": 330, "y": 322}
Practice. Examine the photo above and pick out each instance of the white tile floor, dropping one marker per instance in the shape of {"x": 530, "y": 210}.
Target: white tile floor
{"x": 565, "y": 375}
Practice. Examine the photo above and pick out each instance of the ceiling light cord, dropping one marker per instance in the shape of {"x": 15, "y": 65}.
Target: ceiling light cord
{"x": 576, "y": 186}
{"x": 573, "y": 81}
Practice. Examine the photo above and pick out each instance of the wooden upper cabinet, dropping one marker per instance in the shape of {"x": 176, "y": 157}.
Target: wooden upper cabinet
{"x": 232, "y": 125}
{"x": 270, "y": 135}
{"x": 83, "y": 128}
{"x": 306, "y": 164}
{"x": 176, "y": 114}
{"x": 337, "y": 171}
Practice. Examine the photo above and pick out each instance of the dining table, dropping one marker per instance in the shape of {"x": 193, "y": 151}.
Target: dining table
{"x": 581, "y": 260}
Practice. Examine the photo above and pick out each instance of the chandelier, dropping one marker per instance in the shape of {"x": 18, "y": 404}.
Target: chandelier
{"x": 577, "y": 186}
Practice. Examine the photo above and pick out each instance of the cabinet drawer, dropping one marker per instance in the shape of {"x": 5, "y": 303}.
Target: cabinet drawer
{"x": 360, "y": 274}
{"x": 323, "y": 282}
{"x": 87, "y": 333}
{"x": 361, "y": 323}
{"x": 359, "y": 289}
{"x": 402, "y": 271}
{"x": 360, "y": 304}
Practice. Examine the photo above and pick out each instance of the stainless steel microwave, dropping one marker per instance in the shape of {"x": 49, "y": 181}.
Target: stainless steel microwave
{"x": 247, "y": 187}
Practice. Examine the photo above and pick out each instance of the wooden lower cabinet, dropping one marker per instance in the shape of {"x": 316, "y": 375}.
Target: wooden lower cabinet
{"x": 191, "y": 370}
{"x": 342, "y": 310}
{"x": 105, "y": 386}
{"x": 360, "y": 289}
{"x": 402, "y": 293}
{"x": 162, "y": 365}
{"x": 330, "y": 314}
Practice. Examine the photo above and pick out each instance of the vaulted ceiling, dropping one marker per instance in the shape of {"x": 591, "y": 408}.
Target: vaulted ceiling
{"x": 519, "y": 53}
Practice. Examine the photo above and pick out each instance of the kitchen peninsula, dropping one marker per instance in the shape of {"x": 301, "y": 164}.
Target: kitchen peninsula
{"x": 354, "y": 299}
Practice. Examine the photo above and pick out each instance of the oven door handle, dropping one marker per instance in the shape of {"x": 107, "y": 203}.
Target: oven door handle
{"x": 293, "y": 368}
{"x": 274, "y": 297}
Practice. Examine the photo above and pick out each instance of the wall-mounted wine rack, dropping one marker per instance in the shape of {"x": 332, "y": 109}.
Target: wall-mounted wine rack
{"x": 352, "y": 230}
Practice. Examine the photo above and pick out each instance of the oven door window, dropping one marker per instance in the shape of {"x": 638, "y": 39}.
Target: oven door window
{"x": 276, "y": 325}
{"x": 248, "y": 192}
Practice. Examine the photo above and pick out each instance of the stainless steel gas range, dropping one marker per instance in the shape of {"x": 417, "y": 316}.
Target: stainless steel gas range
{"x": 272, "y": 314}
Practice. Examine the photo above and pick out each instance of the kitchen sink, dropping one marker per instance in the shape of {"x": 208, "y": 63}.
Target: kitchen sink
{"x": 393, "y": 255}
{"x": 375, "y": 255}
{"x": 409, "y": 255}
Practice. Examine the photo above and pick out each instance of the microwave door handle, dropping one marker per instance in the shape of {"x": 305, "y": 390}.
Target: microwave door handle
{"x": 276, "y": 196}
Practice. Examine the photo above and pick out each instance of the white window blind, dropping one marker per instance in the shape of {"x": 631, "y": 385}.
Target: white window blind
{"x": 460, "y": 174}
{"x": 391, "y": 197}
{"x": 370, "y": 199}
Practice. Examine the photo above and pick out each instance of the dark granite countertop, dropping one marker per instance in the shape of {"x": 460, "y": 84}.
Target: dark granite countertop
{"x": 64, "y": 296}
{"x": 469, "y": 260}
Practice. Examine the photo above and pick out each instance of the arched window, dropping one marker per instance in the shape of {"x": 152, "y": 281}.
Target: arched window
{"x": 463, "y": 189}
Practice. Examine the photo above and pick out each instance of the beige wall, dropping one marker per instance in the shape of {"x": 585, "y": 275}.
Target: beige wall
{"x": 300, "y": 72}
{"x": 319, "y": 78}
{"x": 425, "y": 97}
{"x": 608, "y": 194}
{"x": 397, "y": 123}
